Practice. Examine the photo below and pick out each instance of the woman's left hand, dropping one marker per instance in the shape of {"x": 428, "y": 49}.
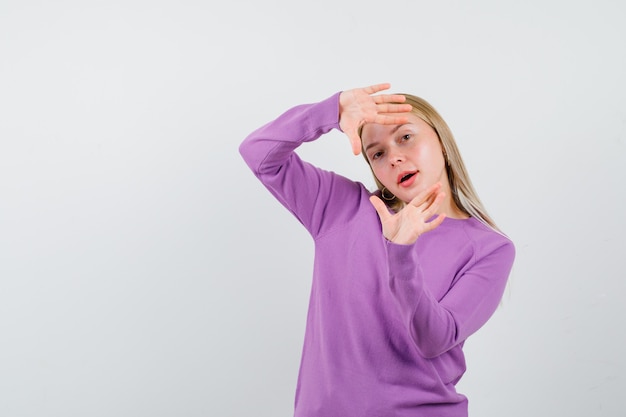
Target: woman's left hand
{"x": 405, "y": 226}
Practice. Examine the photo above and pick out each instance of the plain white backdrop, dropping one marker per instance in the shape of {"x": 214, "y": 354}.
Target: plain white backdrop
{"x": 145, "y": 272}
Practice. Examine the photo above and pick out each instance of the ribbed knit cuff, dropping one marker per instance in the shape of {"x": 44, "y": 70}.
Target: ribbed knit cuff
{"x": 403, "y": 260}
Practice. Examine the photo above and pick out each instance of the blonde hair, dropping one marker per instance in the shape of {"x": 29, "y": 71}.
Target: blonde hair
{"x": 463, "y": 192}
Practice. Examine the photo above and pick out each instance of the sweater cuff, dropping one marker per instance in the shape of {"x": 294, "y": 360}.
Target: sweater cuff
{"x": 403, "y": 261}
{"x": 325, "y": 118}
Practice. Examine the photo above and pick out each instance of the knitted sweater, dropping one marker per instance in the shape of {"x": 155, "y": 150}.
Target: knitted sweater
{"x": 386, "y": 322}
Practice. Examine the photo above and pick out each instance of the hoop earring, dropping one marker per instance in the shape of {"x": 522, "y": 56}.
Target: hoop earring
{"x": 382, "y": 194}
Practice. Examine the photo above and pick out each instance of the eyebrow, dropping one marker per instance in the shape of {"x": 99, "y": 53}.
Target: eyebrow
{"x": 394, "y": 130}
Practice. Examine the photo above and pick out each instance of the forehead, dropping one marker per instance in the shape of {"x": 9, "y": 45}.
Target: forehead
{"x": 375, "y": 132}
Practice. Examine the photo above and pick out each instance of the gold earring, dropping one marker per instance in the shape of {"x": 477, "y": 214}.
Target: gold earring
{"x": 382, "y": 193}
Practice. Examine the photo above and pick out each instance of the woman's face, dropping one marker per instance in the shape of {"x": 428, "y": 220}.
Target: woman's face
{"x": 406, "y": 158}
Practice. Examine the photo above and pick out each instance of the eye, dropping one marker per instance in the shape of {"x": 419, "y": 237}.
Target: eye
{"x": 406, "y": 137}
{"x": 376, "y": 155}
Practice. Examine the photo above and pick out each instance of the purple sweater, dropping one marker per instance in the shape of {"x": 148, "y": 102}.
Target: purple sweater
{"x": 386, "y": 322}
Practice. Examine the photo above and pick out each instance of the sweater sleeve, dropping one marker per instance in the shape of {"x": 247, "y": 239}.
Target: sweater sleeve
{"x": 305, "y": 190}
{"x": 436, "y": 326}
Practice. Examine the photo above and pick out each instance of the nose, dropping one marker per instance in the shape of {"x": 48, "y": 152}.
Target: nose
{"x": 396, "y": 158}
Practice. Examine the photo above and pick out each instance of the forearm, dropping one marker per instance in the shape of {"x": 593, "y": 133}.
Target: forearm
{"x": 438, "y": 325}
{"x": 268, "y": 148}
{"x": 305, "y": 190}
{"x": 431, "y": 327}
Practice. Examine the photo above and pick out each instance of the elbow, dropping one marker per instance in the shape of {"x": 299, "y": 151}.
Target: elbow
{"x": 245, "y": 150}
{"x": 431, "y": 347}
{"x": 250, "y": 156}
{"x": 431, "y": 352}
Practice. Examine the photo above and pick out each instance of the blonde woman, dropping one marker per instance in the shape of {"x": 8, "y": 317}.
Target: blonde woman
{"x": 402, "y": 276}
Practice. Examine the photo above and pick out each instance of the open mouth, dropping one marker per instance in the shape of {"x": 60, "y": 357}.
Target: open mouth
{"x": 406, "y": 177}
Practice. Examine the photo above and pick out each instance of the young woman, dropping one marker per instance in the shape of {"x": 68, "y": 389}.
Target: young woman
{"x": 403, "y": 276}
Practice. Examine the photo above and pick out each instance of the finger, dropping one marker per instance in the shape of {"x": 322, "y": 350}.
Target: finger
{"x": 435, "y": 223}
{"x": 390, "y": 120}
{"x": 423, "y": 197}
{"x": 394, "y": 108}
{"x": 355, "y": 142}
{"x": 389, "y": 98}
{"x": 427, "y": 202}
{"x": 430, "y": 199}
{"x": 356, "y": 146}
{"x": 376, "y": 88}
{"x": 431, "y": 209}
{"x": 380, "y": 207}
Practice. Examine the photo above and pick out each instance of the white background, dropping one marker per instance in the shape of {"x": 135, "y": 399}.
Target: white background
{"x": 145, "y": 272}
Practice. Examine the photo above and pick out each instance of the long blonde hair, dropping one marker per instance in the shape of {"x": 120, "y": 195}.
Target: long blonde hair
{"x": 463, "y": 192}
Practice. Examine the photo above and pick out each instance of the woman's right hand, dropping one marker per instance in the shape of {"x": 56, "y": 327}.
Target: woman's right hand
{"x": 359, "y": 106}
{"x": 414, "y": 219}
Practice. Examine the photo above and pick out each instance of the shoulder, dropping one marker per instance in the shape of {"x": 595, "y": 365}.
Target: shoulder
{"x": 483, "y": 239}
{"x": 338, "y": 203}
{"x": 488, "y": 241}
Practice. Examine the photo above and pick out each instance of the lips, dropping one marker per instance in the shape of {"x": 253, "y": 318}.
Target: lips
{"x": 407, "y": 178}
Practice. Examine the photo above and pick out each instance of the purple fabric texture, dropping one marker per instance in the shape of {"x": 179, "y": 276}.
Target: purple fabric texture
{"x": 386, "y": 322}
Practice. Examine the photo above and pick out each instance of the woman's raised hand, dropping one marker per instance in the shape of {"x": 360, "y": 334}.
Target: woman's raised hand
{"x": 405, "y": 226}
{"x": 359, "y": 106}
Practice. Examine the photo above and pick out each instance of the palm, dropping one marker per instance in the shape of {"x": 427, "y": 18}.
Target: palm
{"x": 358, "y": 107}
{"x": 405, "y": 226}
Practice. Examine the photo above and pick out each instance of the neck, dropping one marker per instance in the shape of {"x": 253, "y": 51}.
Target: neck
{"x": 450, "y": 209}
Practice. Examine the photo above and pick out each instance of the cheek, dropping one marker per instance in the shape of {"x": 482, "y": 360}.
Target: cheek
{"x": 375, "y": 169}
{"x": 380, "y": 172}
{"x": 431, "y": 152}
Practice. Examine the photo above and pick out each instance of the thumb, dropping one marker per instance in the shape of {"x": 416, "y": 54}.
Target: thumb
{"x": 380, "y": 207}
{"x": 355, "y": 141}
